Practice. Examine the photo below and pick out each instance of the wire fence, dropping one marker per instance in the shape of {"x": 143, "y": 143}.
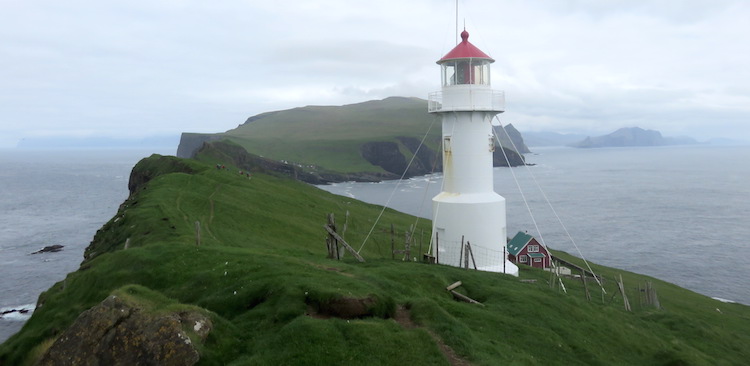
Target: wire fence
{"x": 454, "y": 253}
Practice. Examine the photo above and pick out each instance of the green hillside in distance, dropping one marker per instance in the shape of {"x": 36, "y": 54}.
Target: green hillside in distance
{"x": 357, "y": 140}
{"x": 236, "y": 270}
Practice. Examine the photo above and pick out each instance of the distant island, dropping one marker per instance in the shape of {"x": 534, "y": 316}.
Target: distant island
{"x": 632, "y": 136}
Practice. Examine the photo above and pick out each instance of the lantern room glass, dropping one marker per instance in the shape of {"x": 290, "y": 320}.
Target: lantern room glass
{"x": 466, "y": 71}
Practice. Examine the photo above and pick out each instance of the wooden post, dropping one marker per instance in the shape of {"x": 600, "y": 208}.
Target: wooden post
{"x": 344, "y": 243}
{"x": 454, "y": 285}
{"x": 197, "y": 233}
{"x": 625, "y": 301}
{"x": 471, "y": 253}
{"x": 466, "y": 256}
{"x": 505, "y": 259}
{"x": 346, "y": 224}
{"x": 332, "y": 242}
{"x": 461, "y": 252}
{"x": 437, "y": 248}
{"x": 393, "y": 244}
{"x": 585, "y": 286}
{"x": 407, "y": 244}
{"x": 421, "y": 236}
{"x": 465, "y": 298}
{"x": 127, "y": 243}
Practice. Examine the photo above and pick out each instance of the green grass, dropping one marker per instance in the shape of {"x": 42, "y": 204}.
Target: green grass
{"x": 330, "y": 137}
{"x": 261, "y": 266}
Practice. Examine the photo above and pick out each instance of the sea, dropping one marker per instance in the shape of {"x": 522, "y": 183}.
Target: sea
{"x": 678, "y": 213}
{"x": 53, "y": 197}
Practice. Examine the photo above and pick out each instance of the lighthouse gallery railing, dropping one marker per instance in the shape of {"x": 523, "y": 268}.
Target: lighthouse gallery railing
{"x": 458, "y": 99}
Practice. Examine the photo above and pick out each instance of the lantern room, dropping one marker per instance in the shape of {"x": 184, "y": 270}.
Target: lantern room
{"x": 465, "y": 77}
{"x": 465, "y": 65}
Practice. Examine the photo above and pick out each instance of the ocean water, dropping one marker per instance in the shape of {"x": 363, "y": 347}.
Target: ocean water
{"x": 52, "y": 197}
{"x": 678, "y": 213}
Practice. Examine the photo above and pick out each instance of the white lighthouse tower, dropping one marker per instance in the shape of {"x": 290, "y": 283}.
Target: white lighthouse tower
{"x": 468, "y": 206}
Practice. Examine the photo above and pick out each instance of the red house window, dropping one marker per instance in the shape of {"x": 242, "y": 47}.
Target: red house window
{"x": 523, "y": 258}
{"x": 533, "y": 248}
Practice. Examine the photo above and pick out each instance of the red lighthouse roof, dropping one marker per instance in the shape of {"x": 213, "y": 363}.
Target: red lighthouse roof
{"x": 465, "y": 50}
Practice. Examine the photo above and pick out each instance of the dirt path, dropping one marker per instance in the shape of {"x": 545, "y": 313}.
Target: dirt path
{"x": 403, "y": 317}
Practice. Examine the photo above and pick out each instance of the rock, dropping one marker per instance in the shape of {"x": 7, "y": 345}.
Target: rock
{"x": 118, "y": 333}
{"x": 50, "y": 249}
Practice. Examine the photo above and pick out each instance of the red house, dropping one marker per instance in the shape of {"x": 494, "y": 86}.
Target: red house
{"x": 524, "y": 249}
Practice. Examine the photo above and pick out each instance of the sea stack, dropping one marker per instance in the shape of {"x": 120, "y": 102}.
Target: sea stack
{"x": 468, "y": 210}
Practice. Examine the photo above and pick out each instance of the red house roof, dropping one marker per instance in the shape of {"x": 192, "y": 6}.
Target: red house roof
{"x": 465, "y": 50}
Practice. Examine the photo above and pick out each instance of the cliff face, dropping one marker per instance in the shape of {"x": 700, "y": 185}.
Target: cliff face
{"x": 511, "y": 138}
{"x": 190, "y": 143}
{"x": 239, "y": 157}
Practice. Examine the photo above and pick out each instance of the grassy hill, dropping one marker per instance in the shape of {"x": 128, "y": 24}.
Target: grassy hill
{"x": 331, "y": 136}
{"x": 261, "y": 275}
{"x": 375, "y": 137}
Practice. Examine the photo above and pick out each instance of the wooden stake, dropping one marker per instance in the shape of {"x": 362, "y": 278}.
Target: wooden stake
{"x": 437, "y": 248}
{"x": 393, "y": 244}
{"x": 585, "y": 286}
{"x": 465, "y": 298}
{"x": 197, "y": 233}
{"x": 454, "y": 285}
{"x": 471, "y": 253}
{"x": 625, "y": 301}
{"x": 421, "y": 236}
{"x": 461, "y": 252}
{"x": 344, "y": 243}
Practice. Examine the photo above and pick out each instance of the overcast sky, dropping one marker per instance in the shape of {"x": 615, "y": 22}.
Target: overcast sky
{"x": 141, "y": 68}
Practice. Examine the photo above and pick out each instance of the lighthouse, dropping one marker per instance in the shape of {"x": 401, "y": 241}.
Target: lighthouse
{"x": 468, "y": 209}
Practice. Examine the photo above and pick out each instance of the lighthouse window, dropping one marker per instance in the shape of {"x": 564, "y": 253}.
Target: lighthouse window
{"x": 492, "y": 143}
{"x": 466, "y": 71}
{"x": 449, "y": 73}
{"x": 481, "y": 73}
{"x": 446, "y": 143}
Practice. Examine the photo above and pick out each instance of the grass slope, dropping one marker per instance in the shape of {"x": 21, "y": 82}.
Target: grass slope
{"x": 261, "y": 270}
{"x": 331, "y": 136}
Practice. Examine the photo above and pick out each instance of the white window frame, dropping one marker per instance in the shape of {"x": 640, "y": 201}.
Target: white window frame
{"x": 523, "y": 258}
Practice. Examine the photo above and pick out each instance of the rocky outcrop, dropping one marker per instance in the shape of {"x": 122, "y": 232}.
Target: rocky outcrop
{"x": 148, "y": 169}
{"x": 190, "y": 143}
{"x": 511, "y": 138}
{"x": 426, "y": 159}
{"x": 50, "y": 249}
{"x": 514, "y": 158}
{"x": 116, "y": 332}
{"x": 384, "y": 154}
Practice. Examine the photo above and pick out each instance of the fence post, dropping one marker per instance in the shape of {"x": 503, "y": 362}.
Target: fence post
{"x": 197, "y": 233}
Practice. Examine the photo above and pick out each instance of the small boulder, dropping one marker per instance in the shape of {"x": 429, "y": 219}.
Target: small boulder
{"x": 116, "y": 332}
{"x": 50, "y": 249}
